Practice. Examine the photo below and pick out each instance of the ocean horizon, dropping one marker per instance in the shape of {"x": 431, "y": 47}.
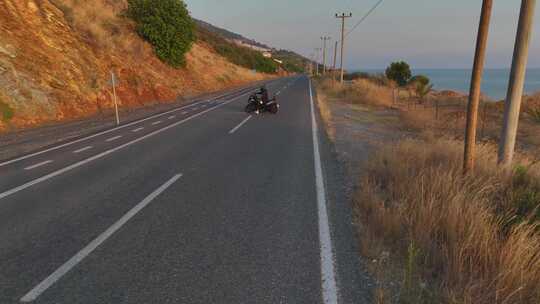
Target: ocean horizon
{"x": 494, "y": 82}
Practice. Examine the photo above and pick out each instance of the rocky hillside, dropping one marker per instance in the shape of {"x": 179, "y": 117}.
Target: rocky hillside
{"x": 56, "y": 57}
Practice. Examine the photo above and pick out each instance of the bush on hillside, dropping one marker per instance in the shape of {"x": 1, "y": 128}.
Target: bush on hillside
{"x": 400, "y": 72}
{"x": 236, "y": 54}
{"x": 167, "y": 25}
{"x": 6, "y": 112}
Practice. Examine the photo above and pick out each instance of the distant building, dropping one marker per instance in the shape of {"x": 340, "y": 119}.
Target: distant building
{"x": 267, "y": 54}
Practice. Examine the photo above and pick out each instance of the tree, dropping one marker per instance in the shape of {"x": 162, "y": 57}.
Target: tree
{"x": 420, "y": 78}
{"x": 400, "y": 72}
{"x": 422, "y": 86}
{"x": 422, "y": 90}
{"x": 167, "y": 25}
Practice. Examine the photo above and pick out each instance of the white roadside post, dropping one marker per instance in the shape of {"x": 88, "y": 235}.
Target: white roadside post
{"x": 113, "y": 83}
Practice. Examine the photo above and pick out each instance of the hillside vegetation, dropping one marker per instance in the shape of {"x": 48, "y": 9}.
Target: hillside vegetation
{"x": 56, "y": 57}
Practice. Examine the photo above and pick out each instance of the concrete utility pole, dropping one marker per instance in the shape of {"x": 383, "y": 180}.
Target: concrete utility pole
{"x": 343, "y": 16}
{"x": 334, "y": 65}
{"x": 476, "y": 81}
{"x": 515, "y": 87}
{"x": 324, "y": 39}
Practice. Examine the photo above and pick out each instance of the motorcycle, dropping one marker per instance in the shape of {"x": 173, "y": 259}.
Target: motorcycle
{"x": 256, "y": 105}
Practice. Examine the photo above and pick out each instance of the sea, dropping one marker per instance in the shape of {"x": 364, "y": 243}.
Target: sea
{"x": 494, "y": 81}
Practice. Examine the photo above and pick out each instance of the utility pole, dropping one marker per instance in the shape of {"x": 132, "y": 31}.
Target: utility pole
{"x": 334, "y": 66}
{"x": 476, "y": 81}
{"x": 343, "y": 16}
{"x": 324, "y": 39}
{"x": 113, "y": 83}
{"x": 515, "y": 87}
{"x": 317, "y": 61}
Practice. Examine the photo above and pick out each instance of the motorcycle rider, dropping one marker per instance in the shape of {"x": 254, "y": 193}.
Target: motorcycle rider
{"x": 263, "y": 92}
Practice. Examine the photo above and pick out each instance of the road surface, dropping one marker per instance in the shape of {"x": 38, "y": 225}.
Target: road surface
{"x": 201, "y": 204}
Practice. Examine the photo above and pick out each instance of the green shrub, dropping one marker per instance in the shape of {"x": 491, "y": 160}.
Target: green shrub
{"x": 400, "y": 72}
{"x": 6, "y": 111}
{"x": 167, "y": 25}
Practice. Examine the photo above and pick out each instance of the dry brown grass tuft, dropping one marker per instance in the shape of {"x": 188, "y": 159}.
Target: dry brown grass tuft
{"x": 97, "y": 21}
{"x": 363, "y": 91}
{"x": 472, "y": 239}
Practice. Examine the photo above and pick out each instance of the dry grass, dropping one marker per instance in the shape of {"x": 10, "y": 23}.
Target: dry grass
{"x": 461, "y": 239}
{"x": 100, "y": 23}
{"x": 363, "y": 91}
{"x": 441, "y": 236}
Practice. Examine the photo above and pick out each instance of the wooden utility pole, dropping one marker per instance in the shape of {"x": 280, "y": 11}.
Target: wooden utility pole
{"x": 476, "y": 81}
{"x": 515, "y": 87}
{"x": 324, "y": 39}
{"x": 343, "y": 16}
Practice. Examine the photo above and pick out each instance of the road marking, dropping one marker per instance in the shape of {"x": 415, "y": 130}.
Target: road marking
{"x": 38, "y": 165}
{"x": 82, "y": 149}
{"x": 77, "y": 258}
{"x": 172, "y": 117}
{"x": 278, "y": 92}
{"x": 117, "y": 128}
{"x": 239, "y": 125}
{"x": 184, "y": 113}
{"x": 105, "y": 153}
{"x": 156, "y": 123}
{"x": 328, "y": 275}
{"x": 114, "y": 138}
{"x": 137, "y": 130}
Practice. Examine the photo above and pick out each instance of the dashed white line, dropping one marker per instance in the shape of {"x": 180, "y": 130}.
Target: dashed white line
{"x": 137, "y": 130}
{"x": 172, "y": 117}
{"x": 38, "y": 165}
{"x": 105, "y": 153}
{"x": 239, "y": 125}
{"x": 82, "y": 149}
{"x": 114, "y": 138}
{"x": 328, "y": 275}
{"x": 156, "y": 123}
{"x": 77, "y": 258}
{"x": 108, "y": 131}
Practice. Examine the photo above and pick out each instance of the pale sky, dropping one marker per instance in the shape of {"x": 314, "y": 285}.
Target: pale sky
{"x": 426, "y": 33}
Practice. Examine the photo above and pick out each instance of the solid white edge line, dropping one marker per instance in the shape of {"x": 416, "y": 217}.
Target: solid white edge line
{"x": 239, "y": 125}
{"x": 328, "y": 275}
{"x": 38, "y": 165}
{"x": 77, "y": 258}
{"x": 105, "y": 153}
{"x": 82, "y": 149}
{"x": 115, "y": 129}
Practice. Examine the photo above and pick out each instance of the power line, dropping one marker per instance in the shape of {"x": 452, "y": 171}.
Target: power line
{"x": 364, "y": 17}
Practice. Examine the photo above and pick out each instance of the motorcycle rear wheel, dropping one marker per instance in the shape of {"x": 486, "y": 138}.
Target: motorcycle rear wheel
{"x": 273, "y": 108}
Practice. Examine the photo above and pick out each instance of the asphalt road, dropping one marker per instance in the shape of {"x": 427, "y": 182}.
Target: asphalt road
{"x": 202, "y": 204}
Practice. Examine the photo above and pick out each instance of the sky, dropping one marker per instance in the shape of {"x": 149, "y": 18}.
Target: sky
{"x": 425, "y": 33}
